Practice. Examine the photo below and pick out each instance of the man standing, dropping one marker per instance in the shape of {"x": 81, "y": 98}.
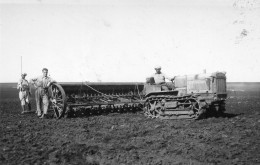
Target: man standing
{"x": 24, "y": 92}
{"x": 42, "y": 84}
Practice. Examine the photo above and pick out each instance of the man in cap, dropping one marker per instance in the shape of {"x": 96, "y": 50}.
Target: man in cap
{"x": 24, "y": 92}
{"x": 42, "y": 84}
{"x": 159, "y": 77}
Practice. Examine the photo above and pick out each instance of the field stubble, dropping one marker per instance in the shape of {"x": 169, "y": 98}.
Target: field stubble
{"x": 131, "y": 138}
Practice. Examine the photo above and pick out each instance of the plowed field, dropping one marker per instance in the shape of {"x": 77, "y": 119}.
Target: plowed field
{"x": 131, "y": 138}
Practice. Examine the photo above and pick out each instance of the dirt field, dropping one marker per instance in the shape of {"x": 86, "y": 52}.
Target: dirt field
{"x": 131, "y": 138}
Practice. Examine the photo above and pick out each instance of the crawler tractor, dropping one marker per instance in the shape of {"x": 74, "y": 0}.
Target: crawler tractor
{"x": 192, "y": 96}
{"x": 189, "y": 96}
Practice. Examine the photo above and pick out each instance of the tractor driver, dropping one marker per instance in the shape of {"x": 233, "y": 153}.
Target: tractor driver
{"x": 159, "y": 77}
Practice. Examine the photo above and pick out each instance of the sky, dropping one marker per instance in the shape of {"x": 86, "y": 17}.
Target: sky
{"x": 123, "y": 40}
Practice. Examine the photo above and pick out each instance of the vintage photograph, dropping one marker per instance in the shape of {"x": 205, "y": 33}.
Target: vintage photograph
{"x": 129, "y": 82}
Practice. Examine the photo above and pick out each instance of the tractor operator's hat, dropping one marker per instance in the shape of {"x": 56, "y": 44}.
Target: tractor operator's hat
{"x": 157, "y": 67}
{"x": 24, "y": 74}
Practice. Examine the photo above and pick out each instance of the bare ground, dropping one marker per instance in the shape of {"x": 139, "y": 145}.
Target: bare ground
{"x": 131, "y": 138}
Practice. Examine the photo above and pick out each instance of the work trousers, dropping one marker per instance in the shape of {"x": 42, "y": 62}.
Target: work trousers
{"x": 42, "y": 101}
{"x": 24, "y": 97}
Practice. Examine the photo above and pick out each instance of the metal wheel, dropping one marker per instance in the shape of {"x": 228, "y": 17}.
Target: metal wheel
{"x": 199, "y": 111}
{"x": 188, "y": 104}
{"x": 152, "y": 109}
{"x": 57, "y": 100}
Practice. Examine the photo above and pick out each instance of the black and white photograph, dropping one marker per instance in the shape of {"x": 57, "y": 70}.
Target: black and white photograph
{"x": 129, "y": 82}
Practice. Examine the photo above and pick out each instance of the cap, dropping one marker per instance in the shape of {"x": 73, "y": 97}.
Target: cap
{"x": 24, "y": 74}
{"x": 157, "y": 67}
